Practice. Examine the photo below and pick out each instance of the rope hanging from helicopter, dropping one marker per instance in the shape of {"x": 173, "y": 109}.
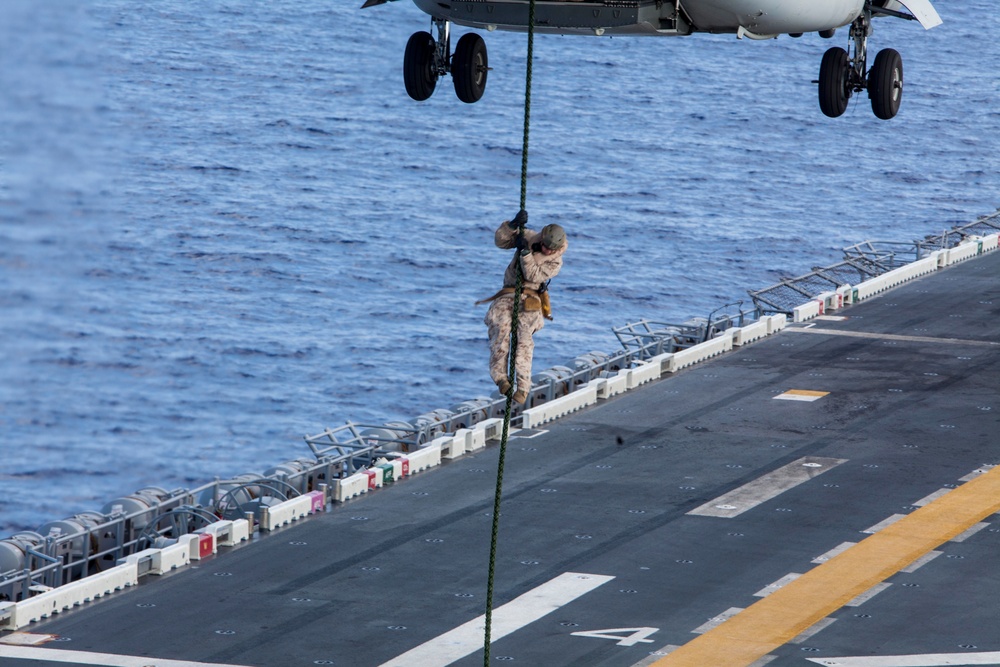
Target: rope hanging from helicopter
{"x": 518, "y": 289}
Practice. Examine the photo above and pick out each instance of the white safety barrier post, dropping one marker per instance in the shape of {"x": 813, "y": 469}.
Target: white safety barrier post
{"x": 158, "y": 561}
{"x": 451, "y": 447}
{"x": 749, "y": 333}
{"x": 240, "y": 533}
{"x": 492, "y": 428}
{"x": 349, "y": 487}
{"x": 700, "y": 352}
{"x": 375, "y": 480}
{"x": 962, "y": 252}
{"x": 611, "y": 386}
{"x": 296, "y": 508}
{"x": 426, "y": 457}
{"x": 666, "y": 362}
{"x": 643, "y": 373}
{"x": 844, "y": 293}
{"x": 869, "y": 287}
{"x": 776, "y": 323}
{"x": 807, "y": 311}
{"x": 400, "y": 466}
{"x": 475, "y": 438}
{"x": 220, "y": 531}
{"x": 560, "y": 406}
{"x": 16, "y": 615}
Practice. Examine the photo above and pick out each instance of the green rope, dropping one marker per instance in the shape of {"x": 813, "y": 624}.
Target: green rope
{"x": 511, "y": 369}
{"x": 527, "y": 105}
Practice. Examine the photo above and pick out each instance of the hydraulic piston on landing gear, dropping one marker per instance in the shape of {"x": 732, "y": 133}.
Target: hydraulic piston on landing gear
{"x": 427, "y": 59}
{"x": 842, "y": 74}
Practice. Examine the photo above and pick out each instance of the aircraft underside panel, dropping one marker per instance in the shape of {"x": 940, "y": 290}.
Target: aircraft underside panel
{"x": 648, "y": 17}
{"x": 614, "y": 17}
{"x": 772, "y": 17}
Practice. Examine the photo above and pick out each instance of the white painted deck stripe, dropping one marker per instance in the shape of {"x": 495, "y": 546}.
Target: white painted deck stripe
{"x": 981, "y": 470}
{"x": 839, "y": 549}
{"x": 814, "y": 630}
{"x": 767, "y": 487}
{"x": 884, "y": 523}
{"x": 920, "y": 562}
{"x": 868, "y": 595}
{"x": 926, "y": 660}
{"x": 716, "y": 621}
{"x": 101, "y": 659}
{"x": 780, "y": 583}
{"x": 970, "y": 532}
{"x": 928, "y": 499}
{"x": 656, "y": 655}
{"x": 915, "y": 339}
{"x": 516, "y": 614}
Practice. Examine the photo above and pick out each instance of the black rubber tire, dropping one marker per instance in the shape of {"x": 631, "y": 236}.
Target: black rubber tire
{"x": 834, "y": 92}
{"x": 885, "y": 83}
{"x": 418, "y": 66}
{"x": 469, "y": 67}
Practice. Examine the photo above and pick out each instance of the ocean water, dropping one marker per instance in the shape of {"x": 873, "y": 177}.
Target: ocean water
{"x": 224, "y": 225}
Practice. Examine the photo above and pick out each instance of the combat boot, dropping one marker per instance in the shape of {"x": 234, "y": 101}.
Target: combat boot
{"x": 503, "y": 385}
{"x": 520, "y": 396}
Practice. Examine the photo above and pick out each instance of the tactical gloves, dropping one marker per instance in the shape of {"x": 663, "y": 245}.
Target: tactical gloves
{"x": 519, "y": 220}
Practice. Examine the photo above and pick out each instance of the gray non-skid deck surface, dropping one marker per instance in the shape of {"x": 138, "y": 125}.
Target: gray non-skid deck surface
{"x": 607, "y": 491}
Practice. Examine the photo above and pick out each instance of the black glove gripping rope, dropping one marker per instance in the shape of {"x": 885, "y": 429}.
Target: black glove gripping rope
{"x": 511, "y": 371}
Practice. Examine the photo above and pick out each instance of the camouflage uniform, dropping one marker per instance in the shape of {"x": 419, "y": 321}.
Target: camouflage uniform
{"x": 538, "y": 268}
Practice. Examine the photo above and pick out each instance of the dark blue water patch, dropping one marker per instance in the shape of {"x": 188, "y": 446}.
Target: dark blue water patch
{"x": 510, "y": 150}
{"x": 253, "y": 352}
{"x": 218, "y": 167}
{"x": 13, "y": 299}
{"x": 53, "y": 473}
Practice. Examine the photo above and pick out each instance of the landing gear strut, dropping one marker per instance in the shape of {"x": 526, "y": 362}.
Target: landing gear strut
{"x": 427, "y": 59}
{"x": 841, "y": 75}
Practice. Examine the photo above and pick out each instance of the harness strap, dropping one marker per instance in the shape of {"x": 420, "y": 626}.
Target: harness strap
{"x": 506, "y": 291}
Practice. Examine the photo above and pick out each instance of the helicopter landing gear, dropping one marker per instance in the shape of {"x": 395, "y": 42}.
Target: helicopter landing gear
{"x": 834, "y": 82}
{"x": 419, "y": 73}
{"x": 842, "y": 74}
{"x": 469, "y": 67}
{"x": 885, "y": 83}
{"x": 427, "y": 59}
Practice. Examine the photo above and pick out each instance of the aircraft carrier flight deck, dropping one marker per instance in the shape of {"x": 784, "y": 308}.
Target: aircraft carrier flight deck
{"x": 822, "y": 495}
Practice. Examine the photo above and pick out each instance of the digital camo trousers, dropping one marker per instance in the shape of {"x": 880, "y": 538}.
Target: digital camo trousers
{"x": 498, "y": 319}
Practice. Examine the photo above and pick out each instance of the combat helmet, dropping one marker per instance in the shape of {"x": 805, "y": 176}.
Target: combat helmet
{"x": 553, "y": 236}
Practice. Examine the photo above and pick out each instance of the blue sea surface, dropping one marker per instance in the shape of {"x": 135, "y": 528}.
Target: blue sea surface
{"x": 224, "y": 225}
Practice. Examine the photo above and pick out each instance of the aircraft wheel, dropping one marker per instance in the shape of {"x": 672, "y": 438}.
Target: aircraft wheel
{"x": 834, "y": 91}
{"x": 885, "y": 83}
{"x": 469, "y": 67}
{"x": 418, "y": 66}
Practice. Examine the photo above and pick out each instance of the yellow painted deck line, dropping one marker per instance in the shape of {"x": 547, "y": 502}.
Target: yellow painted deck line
{"x": 789, "y": 611}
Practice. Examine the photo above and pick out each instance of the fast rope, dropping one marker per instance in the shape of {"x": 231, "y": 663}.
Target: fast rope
{"x": 511, "y": 370}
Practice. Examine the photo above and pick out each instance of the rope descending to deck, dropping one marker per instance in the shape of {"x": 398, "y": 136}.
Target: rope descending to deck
{"x": 518, "y": 288}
